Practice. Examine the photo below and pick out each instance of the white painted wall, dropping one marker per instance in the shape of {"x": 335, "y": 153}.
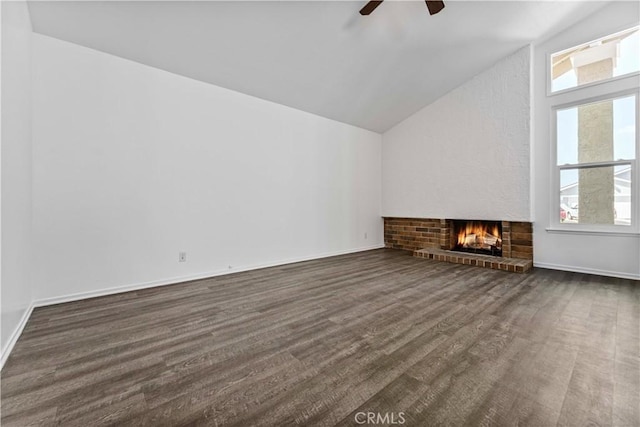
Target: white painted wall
{"x": 466, "y": 155}
{"x": 16, "y": 170}
{"x": 598, "y": 253}
{"x": 133, "y": 164}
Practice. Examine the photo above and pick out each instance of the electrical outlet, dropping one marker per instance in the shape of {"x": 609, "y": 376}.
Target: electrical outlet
{"x": 182, "y": 257}
{"x": 230, "y": 267}
{"x": 365, "y": 235}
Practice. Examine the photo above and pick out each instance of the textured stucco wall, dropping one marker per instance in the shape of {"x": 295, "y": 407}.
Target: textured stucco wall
{"x": 467, "y": 154}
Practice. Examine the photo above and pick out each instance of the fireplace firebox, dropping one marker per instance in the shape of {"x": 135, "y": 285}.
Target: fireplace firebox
{"x": 479, "y": 237}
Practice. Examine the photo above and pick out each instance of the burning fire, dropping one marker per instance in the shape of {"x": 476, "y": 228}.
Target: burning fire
{"x": 479, "y": 235}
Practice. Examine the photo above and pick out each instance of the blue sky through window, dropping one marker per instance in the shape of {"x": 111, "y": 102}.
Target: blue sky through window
{"x": 624, "y": 141}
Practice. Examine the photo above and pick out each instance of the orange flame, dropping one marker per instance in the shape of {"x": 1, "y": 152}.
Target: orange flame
{"x": 479, "y": 235}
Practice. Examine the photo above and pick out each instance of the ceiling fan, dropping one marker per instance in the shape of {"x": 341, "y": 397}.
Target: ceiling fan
{"x": 433, "y": 6}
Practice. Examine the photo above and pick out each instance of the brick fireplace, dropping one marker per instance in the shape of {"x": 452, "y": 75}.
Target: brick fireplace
{"x": 434, "y": 239}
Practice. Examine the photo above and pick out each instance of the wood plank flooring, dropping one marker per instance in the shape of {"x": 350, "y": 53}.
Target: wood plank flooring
{"x": 316, "y": 343}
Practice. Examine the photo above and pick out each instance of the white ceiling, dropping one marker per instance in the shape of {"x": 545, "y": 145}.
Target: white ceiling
{"x": 320, "y": 57}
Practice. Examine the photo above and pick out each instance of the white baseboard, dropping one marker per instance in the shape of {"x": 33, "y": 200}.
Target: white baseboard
{"x": 15, "y": 335}
{"x": 173, "y": 280}
{"x": 595, "y": 271}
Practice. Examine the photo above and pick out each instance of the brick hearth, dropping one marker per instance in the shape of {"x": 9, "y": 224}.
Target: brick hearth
{"x": 497, "y": 263}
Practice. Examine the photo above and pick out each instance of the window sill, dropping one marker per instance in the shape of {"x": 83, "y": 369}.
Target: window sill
{"x": 592, "y": 232}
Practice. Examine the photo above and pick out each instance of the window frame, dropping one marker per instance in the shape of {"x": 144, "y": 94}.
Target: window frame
{"x": 582, "y": 95}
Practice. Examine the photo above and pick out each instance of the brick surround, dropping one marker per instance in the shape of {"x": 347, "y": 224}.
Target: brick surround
{"x": 432, "y": 238}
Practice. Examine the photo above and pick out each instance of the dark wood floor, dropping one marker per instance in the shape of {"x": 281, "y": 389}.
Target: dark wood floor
{"x": 317, "y": 342}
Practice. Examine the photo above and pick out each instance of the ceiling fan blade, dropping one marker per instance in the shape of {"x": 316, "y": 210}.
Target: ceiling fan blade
{"x": 371, "y": 6}
{"x": 434, "y": 6}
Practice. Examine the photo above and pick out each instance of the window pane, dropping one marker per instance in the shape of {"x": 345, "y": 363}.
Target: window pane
{"x": 599, "y": 195}
{"x": 608, "y": 57}
{"x": 597, "y": 132}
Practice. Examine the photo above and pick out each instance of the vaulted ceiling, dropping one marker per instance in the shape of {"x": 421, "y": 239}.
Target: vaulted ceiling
{"x": 321, "y": 57}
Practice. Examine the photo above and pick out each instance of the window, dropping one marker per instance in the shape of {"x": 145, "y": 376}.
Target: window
{"x": 608, "y": 57}
{"x": 596, "y": 150}
{"x": 595, "y": 135}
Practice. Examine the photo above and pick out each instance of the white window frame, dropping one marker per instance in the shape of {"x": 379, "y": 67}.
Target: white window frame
{"x": 619, "y": 87}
